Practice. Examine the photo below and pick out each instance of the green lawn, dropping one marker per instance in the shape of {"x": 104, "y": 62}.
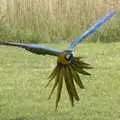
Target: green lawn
{"x": 23, "y": 76}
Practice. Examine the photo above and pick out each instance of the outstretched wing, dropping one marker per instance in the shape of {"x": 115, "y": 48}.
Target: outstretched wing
{"x": 35, "y": 48}
{"x": 91, "y": 30}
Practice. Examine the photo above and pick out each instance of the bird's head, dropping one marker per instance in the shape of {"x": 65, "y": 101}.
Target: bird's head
{"x": 65, "y": 57}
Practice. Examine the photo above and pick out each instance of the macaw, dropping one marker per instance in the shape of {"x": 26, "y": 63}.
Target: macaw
{"x": 68, "y": 66}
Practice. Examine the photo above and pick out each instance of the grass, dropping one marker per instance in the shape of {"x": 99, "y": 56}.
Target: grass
{"x": 23, "y": 76}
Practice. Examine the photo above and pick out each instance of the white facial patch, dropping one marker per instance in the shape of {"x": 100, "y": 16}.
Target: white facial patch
{"x": 68, "y": 56}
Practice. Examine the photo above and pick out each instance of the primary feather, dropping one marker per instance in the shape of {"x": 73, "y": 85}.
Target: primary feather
{"x": 91, "y": 30}
{"x": 34, "y": 48}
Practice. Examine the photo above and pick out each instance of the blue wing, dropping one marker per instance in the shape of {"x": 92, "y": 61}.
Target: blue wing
{"x": 35, "y": 48}
{"x": 91, "y": 30}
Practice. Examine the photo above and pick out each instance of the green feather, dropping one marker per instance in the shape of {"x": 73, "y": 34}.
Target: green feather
{"x": 52, "y": 75}
{"x": 71, "y": 83}
{"x": 79, "y": 64}
{"x": 78, "y": 59}
{"x": 68, "y": 87}
{"x": 79, "y": 70}
{"x": 77, "y": 78}
{"x": 56, "y": 82}
{"x": 59, "y": 88}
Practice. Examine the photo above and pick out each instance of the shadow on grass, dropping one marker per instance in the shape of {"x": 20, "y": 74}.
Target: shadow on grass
{"x": 29, "y": 118}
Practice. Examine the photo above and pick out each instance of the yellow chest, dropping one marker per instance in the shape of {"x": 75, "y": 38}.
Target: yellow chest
{"x": 62, "y": 60}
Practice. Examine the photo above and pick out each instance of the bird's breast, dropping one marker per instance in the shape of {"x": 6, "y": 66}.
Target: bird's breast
{"x": 62, "y": 60}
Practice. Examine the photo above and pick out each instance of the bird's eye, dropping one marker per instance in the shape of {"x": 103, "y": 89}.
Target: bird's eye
{"x": 68, "y": 57}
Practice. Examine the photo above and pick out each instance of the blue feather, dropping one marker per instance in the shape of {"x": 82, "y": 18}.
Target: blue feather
{"x": 91, "y": 30}
{"x": 35, "y": 48}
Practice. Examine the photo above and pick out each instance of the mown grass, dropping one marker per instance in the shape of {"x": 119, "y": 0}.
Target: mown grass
{"x": 23, "y": 76}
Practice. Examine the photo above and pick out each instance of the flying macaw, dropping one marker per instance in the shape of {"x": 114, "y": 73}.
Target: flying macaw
{"x": 68, "y": 66}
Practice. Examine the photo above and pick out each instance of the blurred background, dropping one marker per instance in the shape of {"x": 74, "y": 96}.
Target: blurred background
{"x": 56, "y": 20}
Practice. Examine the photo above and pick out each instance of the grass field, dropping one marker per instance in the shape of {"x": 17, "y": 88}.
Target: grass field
{"x": 23, "y": 76}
